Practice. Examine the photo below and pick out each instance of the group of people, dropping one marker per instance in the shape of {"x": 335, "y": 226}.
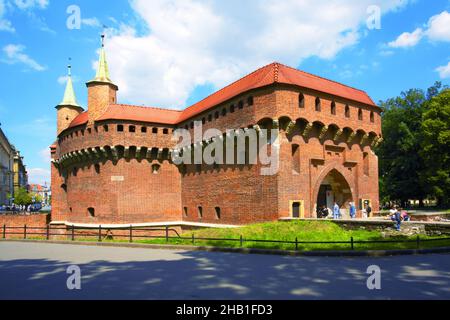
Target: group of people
{"x": 323, "y": 212}
{"x": 398, "y": 215}
{"x": 20, "y": 208}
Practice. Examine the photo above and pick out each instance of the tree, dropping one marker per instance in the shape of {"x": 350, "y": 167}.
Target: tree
{"x": 37, "y": 198}
{"x": 436, "y": 147}
{"x": 22, "y": 197}
{"x": 400, "y": 164}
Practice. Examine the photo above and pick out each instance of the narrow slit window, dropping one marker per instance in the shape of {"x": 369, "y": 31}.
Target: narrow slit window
{"x": 301, "y": 101}
{"x": 318, "y": 104}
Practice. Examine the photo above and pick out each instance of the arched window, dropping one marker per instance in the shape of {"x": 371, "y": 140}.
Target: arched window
{"x": 200, "y": 212}
{"x": 217, "y": 115}
{"x": 301, "y": 101}
{"x": 333, "y": 108}
{"x": 250, "y": 101}
{"x": 318, "y": 104}
{"x": 372, "y": 117}
{"x": 132, "y": 129}
{"x": 144, "y": 129}
{"x": 210, "y": 118}
{"x": 120, "y": 128}
{"x": 155, "y": 130}
{"x": 360, "y": 115}
{"x": 91, "y": 212}
{"x": 241, "y": 105}
{"x": 232, "y": 108}
{"x": 347, "y": 111}
{"x": 224, "y": 112}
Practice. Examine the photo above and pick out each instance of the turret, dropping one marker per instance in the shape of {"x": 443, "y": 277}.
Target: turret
{"x": 101, "y": 90}
{"x": 68, "y": 109}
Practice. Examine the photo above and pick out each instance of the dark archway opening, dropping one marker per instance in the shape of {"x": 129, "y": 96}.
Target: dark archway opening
{"x": 334, "y": 188}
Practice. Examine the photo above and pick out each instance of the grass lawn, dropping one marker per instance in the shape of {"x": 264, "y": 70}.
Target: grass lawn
{"x": 307, "y": 231}
{"x": 304, "y": 231}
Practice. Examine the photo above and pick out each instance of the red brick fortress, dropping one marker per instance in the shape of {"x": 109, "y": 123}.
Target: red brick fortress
{"x": 112, "y": 164}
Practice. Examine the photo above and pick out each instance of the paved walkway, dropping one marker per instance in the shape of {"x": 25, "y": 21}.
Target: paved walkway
{"x": 38, "y": 271}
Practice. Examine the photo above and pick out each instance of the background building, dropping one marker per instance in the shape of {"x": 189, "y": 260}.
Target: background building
{"x": 43, "y": 191}
{"x": 20, "y": 172}
{"x": 6, "y": 168}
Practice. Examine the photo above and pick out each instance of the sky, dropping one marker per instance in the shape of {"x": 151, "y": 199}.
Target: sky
{"x": 171, "y": 54}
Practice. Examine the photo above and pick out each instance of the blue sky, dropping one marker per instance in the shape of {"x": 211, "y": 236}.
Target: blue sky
{"x": 170, "y": 53}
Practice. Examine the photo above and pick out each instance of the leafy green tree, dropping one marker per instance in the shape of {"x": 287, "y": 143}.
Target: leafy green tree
{"x": 400, "y": 163}
{"x": 22, "y": 197}
{"x": 436, "y": 147}
{"x": 37, "y": 198}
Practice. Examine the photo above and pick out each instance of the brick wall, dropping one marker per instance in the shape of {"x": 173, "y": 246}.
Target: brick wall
{"x": 14, "y": 221}
{"x": 127, "y": 191}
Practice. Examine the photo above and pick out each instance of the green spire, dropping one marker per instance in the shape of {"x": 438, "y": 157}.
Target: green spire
{"x": 69, "y": 95}
{"x": 103, "y": 70}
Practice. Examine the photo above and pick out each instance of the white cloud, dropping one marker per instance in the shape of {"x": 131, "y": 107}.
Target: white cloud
{"x": 45, "y": 156}
{"x": 39, "y": 176}
{"x": 26, "y": 6}
{"x": 437, "y": 29}
{"x": 5, "y": 25}
{"x": 195, "y": 42}
{"x": 14, "y": 54}
{"x": 407, "y": 39}
{"x": 29, "y": 4}
{"x": 444, "y": 71}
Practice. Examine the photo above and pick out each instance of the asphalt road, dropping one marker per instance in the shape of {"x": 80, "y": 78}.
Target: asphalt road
{"x": 38, "y": 271}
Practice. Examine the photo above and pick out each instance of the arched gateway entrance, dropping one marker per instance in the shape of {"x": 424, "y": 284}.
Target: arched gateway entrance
{"x": 334, "y": 188}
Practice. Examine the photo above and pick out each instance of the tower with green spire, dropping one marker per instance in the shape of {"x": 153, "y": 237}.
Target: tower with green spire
{"x": 102, "y": 92}
{"x": 69, "y": 108}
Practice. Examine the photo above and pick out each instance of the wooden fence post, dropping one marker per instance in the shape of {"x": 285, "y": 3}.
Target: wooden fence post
{"x": 4, "y": 231}
{"x": 296, "y": 244}
{"x": 25, "y": 232}
{"x": 73, "y": 233}
{"x": 193, "y": 239}
{"x": 131, "y": 233}
{"x": 418, "y": 242}
{"x": 353, "y": 243}
{"x": 48, "y": 232}
{"x": 100, "y": 233}
{"x": 242, "y": 241}
{"x": 167, "y": 234}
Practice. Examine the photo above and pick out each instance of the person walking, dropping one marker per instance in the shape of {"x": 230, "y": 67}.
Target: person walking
{"x": 336, "y": 211}
{"x": 352, "y": 210}
{"x": 369, "y": 210}
{"x": 397, "y": 218}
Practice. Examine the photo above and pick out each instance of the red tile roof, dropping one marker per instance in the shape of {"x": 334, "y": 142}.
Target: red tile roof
{"x": 270, "y": 74}
{"x": 80, "y": 120}
{"x": 143, "y": 114}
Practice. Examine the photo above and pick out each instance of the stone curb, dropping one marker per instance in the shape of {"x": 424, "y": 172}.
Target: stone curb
{"x": 334, "y": 253}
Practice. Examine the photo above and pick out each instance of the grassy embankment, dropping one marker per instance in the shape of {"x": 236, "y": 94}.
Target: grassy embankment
{"x": 304, "y": 231}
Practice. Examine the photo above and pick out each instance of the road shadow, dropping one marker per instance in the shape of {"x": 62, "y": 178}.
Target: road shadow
{"x": 204, "y": 275}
